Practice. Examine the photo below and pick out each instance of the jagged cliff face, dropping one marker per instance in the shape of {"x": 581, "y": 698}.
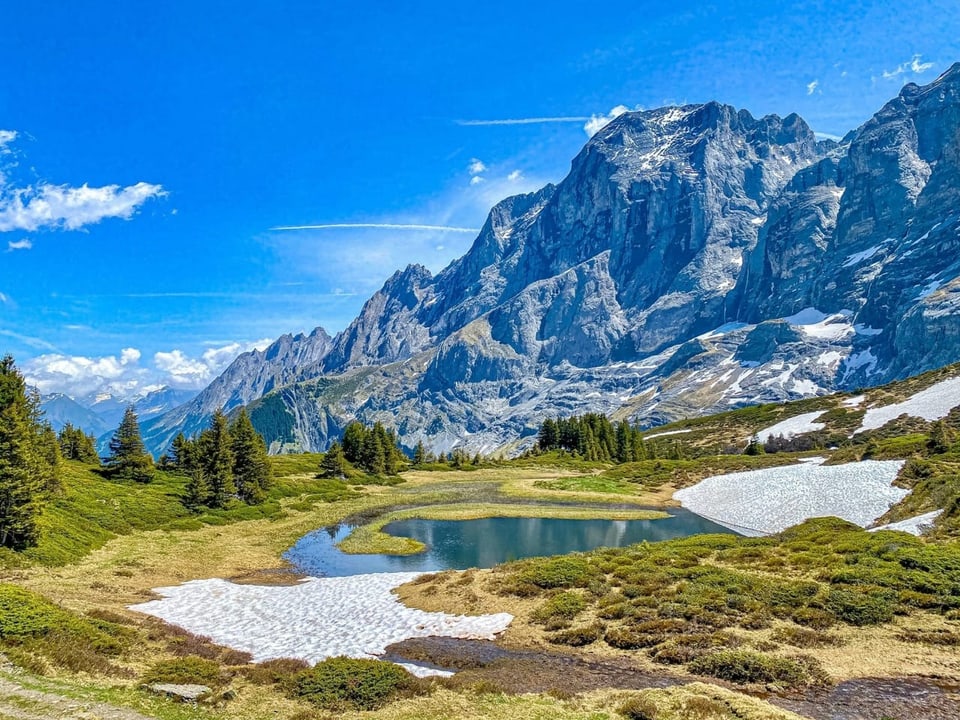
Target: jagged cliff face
{"x": 695, "y": 258}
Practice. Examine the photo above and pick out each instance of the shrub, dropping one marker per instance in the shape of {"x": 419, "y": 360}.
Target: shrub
{"x": 578, "y": 637}
{"x": 564, "y": 605}
{"x": 745, "y": 666}
{"x": 186, "y": 671}
{"x": 805, "y": 637}
{"x": 639, "y": 708}
{"x": 274, "y": 672}
{"x": 560, "y": 572}
{"x": 855, "y": 607}
{"x": 342, "y": 683}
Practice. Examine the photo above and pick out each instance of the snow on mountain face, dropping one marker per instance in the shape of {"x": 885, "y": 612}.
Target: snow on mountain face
{"x": 694, "y": 259}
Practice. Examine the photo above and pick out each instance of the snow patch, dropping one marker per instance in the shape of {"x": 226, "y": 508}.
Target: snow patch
{"x": 356, "y": 616}
{"x": 915, "y": 525}
{"x": 929, "y": 289}
{"x": 805, "y": 387}
{"x": 818, "y": 324}
{"x": 933, "y": 403}
{"x": 859, "y": 257}
{"x": 854, "y": 402}
{"x": 762, "y": 502}
{"x": 793, "y": 426}
{"x": 668, "y": 432}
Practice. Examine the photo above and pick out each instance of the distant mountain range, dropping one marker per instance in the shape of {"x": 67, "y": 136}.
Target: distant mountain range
{"x": 99, "y": 414}
{"x": 694, "y": 259}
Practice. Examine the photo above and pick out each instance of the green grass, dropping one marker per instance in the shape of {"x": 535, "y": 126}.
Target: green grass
{"x": 588, "y": 483}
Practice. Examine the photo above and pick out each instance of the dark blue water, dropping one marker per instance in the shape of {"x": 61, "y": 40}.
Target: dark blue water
{"x": 462, "y": 544}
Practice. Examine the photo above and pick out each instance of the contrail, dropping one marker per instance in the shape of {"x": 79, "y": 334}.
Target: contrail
{"x": 526, "y": 121}
{"x": 381, "y": 226}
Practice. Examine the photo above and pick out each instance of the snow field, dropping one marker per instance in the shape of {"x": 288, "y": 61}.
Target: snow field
{"x": 319, "y": 618}
{"x": 934, "y": 403}
{"x": 762, "y": 502}
{"x": 915, "y": 525}
{"x": 790, "y": 427}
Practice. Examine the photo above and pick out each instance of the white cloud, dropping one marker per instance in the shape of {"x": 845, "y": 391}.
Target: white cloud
{"x": 129, "y": 356}
{"x": 71, "y": 208}
{"x": 476, "y": 180}
{"x": 913, "y": 66}
{"x": 476, "y": 167}
{"x": 514, "y": 176}
{"x": 596, "y": 123}
{"x": 24, "y": 244}
{"x": 123, "y": 375}
{"x": 6, "y": 137}
{"x": 5, "y": 299}
{"x": 812, "y": 87}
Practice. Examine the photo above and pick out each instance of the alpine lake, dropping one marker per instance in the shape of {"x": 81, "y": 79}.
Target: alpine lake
{"x": 483, "y": 543}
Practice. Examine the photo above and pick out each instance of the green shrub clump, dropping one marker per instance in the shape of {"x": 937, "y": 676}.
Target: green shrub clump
{"x": 565, "y": 571}
{"x": 189, "y": 670}
{"x": 342, "y": 684}
{"x": 746, "y": 666}
{"x": 562, "y": 606}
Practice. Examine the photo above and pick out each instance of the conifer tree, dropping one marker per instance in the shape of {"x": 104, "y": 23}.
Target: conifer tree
{"x": 76, "y": 445}
{"x": 353, "y": 441}
{"x": 24, "y": 466}
{"x": 198, "y": 490}
{"x": 251, "y": 468}
{"x": 333, "y": 464}
{"x": 373, "y": 459}
{"x": 419, "y": 454}
{"x": 216, "y": 460}
{"x": 181, "y": 453}
{"x": 129, "y": 459}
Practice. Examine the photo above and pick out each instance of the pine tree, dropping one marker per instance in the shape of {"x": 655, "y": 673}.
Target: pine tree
{"x": 373, "y": 458}
{"x": 181, "y": 453}
{"x": 128, "y": 456}
{"x": 353, "y": 442}
{"x": 251, "y": 468}
{"x": 333, "y": 464}
{"x": 216, "y": 460}
{"x": 24, "y": 469}
{"x": 198, "y": 490}
{"x": 419, "y": 454}
{"x": 548, "y": 437}
{"x": 75, "y": 445}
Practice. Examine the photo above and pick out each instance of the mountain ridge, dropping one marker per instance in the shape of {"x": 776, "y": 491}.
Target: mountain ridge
{"x": 694, "y": 258}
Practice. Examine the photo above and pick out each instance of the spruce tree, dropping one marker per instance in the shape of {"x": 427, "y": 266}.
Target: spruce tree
{"x": 198, "y": 490}
{"x": 216, "y": 460}
{"x": 354, "y": 436}
{"x": 129, "y": 459}
{"x": 373, "y": 457}
{"x": 24, "y": 469}
{"x": 251, "y": 468}
{"x": 419, "y": 454}
{"x": 333, "y": 465}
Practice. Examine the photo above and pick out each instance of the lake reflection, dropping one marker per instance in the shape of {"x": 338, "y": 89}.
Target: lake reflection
{"x": 461, "y": 544}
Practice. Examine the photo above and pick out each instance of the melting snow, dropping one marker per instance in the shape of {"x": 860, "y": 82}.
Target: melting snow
{"x": 818, "y": 324}
{"x": 861, "y": 256}
{"x": 805, "y": 387}
{"x": 864, "y": 358}
{"x": 793, "y": 426}
{"x": 915, "y": 525}
{"x": 319, "y": 618}
{"x": 929, "y": 289}
{"x": 668, "y": 432}
{"x": 931, "y": 404}
{"x": 761, "y": 502}
{"x": 854, "y": 402}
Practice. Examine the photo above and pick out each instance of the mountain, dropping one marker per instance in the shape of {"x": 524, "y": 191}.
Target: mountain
{"x": 250, "y": 376}
{"x": 59, "y": 410}
{"x": 694, "y": 259}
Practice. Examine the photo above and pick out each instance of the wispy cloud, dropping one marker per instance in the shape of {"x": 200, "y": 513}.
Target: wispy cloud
{"x": 477, "y": 167}
{"x": 378, "y": 226}
{"x": 913, "y": 66}
{"x": 27, "y": 340}
{"x": 525, "y": 121}
{"x": 24, "y": 244}
{"x": 812, "y": 87}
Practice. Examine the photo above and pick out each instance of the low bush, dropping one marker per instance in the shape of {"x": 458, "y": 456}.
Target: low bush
{"x": 564, "y": 606}
{"x": 638, "y": 708}
{"x": 745, "y": 666}
{"x": 805, "y": 637}
{"x": 861, "y": 607}
{"x": 342, "y": 684}
{"x": 566, "y": 571}
{"x": 578, "y": 637}
{"x": 274, "y": 672}
{"x": 186, "y": 671}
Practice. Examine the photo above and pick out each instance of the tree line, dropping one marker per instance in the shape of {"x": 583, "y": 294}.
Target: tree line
{"x": 594, "y": 437}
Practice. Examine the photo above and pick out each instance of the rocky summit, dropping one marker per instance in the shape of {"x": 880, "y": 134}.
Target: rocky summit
{"x": 694, "y": 259}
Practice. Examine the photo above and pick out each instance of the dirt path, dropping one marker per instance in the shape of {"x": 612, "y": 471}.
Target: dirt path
{"x": 21, "y": 703}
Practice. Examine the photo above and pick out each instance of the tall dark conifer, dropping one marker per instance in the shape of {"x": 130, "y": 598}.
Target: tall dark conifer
{"x": 129, "y": 459}
{"x": 251, "y": 468}
{"x": 216, "y": 460}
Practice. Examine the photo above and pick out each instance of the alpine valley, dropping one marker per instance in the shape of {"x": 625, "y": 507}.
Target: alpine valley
{"x": 694, "y": 259}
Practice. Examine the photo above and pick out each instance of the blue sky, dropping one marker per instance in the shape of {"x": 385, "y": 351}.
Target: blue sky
{"x": 148, "y": 152}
